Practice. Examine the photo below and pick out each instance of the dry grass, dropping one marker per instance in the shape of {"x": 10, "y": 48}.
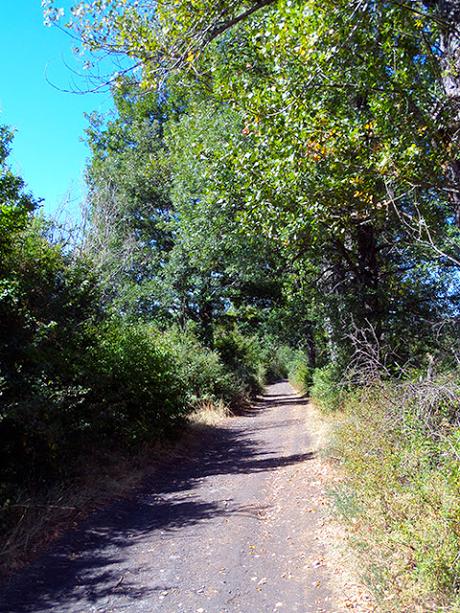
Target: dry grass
{"x": 38, "y": 519}
{"x": 210, "y": 413}
{"x": 398, "y": 497}
{"x": 345, "y": 581}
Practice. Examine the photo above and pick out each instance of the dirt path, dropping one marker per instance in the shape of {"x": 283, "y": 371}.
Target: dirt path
{"x": 232, "y": 529}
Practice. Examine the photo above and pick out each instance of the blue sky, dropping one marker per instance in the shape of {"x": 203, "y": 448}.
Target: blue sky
{"x": 47, "y": 149}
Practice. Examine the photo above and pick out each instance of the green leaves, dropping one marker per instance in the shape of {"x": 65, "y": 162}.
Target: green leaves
{"x": 335, "y": 153}
{"x": 15, "y": 204}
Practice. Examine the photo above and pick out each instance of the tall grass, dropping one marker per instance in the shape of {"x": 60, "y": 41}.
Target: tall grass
{"x": 400, "y": 447}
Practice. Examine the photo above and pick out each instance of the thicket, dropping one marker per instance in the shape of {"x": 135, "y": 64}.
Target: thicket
{"x": 80, "y": 376}
{"x": 396, "y": 435}
{"x": 72, "y": 375}
{"x": 76, "y": 375}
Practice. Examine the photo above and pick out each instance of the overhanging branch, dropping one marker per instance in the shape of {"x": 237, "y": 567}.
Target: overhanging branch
{"x": 223, "y": 27}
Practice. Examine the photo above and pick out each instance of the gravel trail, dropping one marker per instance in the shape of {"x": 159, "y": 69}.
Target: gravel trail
{"x": 233, "y": 528}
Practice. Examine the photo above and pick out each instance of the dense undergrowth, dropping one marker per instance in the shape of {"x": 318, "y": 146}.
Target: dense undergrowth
{"x": 398, "y": 444}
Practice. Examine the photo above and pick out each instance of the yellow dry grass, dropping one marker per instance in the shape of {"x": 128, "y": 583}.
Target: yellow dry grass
{"x": 345, "y": 581}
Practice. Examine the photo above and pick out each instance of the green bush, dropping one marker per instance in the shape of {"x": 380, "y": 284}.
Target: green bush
{"x": 201, "y": 370}
{"x": 243, "y": 357}
{"x": 72, "y": 379}
{"x": 325, "y": 390}
{"x": 300, "y": 374}
{"x": 135, "y": 387}
{"x": 48, "y": 306}
{"x": 277, "y": 361}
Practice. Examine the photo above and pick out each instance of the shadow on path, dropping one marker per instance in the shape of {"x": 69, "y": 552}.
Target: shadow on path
{"x": 92, "y": 563}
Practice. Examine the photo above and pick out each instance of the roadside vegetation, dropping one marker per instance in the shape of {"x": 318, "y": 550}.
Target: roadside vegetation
{"x": 275, "y": 194}
{"x": 400, "y": 448}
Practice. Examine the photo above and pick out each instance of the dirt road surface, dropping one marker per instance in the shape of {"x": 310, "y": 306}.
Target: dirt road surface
{"x": 233, "y": 528}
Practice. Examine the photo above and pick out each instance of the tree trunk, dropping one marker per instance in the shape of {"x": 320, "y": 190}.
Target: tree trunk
{"x": 368, "y": 276}
{"x": 206, "y": 322}
{"x": 310, "y": 345}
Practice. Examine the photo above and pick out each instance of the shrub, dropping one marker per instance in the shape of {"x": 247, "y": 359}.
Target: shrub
{"x": 277, "y": 361}
{"x": 300, "y": 374}
{"x": 135, "y": 387}
{"x": 201, "y": 370}
{"x": 243, "y": 357}
{"x": 48, "y": 304}
{"x": 325, "y": 390}
{"x": 71, "y": 378}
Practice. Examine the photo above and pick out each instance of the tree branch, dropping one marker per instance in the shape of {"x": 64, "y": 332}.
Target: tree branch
{"x": 223, "y": 27}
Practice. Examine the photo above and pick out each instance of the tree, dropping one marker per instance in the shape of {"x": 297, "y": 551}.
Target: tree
{"x": 342, "y": 106}
{"x": 15, "y": 203}
{"x": 164, "y": 38}
{"x": 447, "y": 50}
{"x": 129, "y": 204}
{"x": 165, "y": 249}
{"x": 229, "y": 273}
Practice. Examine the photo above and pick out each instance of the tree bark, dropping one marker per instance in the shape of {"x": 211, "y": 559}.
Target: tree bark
{"x": 368, "y": 276}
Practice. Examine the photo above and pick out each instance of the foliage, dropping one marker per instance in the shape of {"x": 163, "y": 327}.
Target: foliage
{"x": 300, "y": 372}
{"x": 135, "y": 388}
{"x": 242, "y": 356}
{"x": 201, "y": 370}
{"x": 325, "y": 389}
{"x": 164, "y": 250}
{"x": 15, "y": 203}
{"x": 215, "y": 271}
{"x": 47, "y": 305}
{"x": 277, "y": 359}
{"x": 344, "y": 149}
{"x": 129, "y": 204}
